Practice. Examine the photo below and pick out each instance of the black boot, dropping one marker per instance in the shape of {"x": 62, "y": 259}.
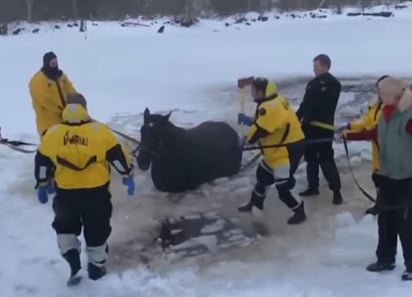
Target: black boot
{"x": 379, "y": 266}
{"x": 96, "y": 272}
{"x": 299, "y": 216}
{"x": 337, "y": 197}
{"x": 407, "y": 275}
{"x": 372, "y": 210}
{"x": 309, "y": 192}
{"x": 254, "y": 201}
{"x": 246, "y": 207}
{"x": 73, "y": 258}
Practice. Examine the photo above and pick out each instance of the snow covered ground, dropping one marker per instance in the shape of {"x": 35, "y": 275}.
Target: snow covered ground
{"x": 194, "y": 72}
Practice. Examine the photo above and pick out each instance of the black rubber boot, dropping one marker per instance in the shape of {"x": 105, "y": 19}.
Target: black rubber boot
{"x": 381, "y": 266}
{"x": 309, "y": 192}
{"x": 407, "y": 275}
{"x": 254, "y": 201}
{"x": 73, "y": 258}
{"x": 247, "y": 207}
{"x": 96, "y": 272}
{"x": 299, "y": 216}
{"x": 337, "y": 198}
{"x": 372, "y": 210}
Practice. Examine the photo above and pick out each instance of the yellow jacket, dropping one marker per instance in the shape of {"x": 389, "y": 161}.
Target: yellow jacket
{"x": 368, "y": 121}
{"x": 275, "y": 123}
{"x": 47, "y": 101}
{"x": 80, "y": 151}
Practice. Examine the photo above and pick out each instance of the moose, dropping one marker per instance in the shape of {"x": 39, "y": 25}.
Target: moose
{"x": 183, "y": 159}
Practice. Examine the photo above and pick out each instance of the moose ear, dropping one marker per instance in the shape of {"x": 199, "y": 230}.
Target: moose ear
{"x": 167, "y": 117}
{"x": 146, "y": 114}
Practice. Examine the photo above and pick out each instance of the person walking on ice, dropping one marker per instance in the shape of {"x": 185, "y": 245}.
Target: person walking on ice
{"x": 81, "y": 149}
{"x": 275, "y": 123}
{"x": 49, "y": 88}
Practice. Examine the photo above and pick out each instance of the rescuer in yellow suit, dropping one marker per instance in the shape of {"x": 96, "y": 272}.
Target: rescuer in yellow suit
{"x": 81, "y": 151}
{"x": 357, "y": 131}
{"x": 274, "y": 123}
{"x": 49, "y": 88}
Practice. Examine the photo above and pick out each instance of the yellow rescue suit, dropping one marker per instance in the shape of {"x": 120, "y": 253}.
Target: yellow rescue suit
{"x": 280, "y": 125}
{"x": 369, "y": 121}
{"x": 49, "y": 99}
{"x": 81, "y": 152}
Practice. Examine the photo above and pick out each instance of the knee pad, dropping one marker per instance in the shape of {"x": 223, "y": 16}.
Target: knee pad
{"x": 67, "y": 242}
{"x": 97, "y": 255}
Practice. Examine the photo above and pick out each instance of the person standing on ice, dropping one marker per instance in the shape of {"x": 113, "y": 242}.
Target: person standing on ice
{"x": 81, "y": 149}
{"x": 394, "y": 137}
{"x": 358, "y": 131}
{"x": 317, "y": 114}
{"x": 49, "y": 88}
{"x": 274, "y": 123}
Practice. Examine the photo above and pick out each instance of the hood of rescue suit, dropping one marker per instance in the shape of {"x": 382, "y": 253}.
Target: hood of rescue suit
{"x": 271, "y": 90}
{"x": 75, "y": 111}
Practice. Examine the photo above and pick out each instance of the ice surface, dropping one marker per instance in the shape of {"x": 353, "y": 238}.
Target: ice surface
{"x": 193, "y": 72}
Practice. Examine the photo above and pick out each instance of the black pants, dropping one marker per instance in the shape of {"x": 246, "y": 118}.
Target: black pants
{"x": 282, "y": 177}
{"x": 377, "y": 179}
{"x": 87, "y": 208}
{"x": 321, "y": 155}
{"x": 395, "y": 218}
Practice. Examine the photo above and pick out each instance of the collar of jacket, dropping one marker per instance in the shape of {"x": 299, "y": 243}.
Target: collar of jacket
{"x": 388, "y": 111}
{"x": 52, "y": 74}
{"x": 79, "y": 123}
{"x": 268, "y": 98}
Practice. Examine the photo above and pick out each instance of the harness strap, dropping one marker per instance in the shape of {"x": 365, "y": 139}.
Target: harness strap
{"x": 285, "y": 134}
{"x": 63, "y": 102}
{"x": 345, "y": 144}
{"x": 15, "y": 145}
{"x": 63, "y": 162}
{"x": 127, "y": 137}
{"x": 322, "y": 125}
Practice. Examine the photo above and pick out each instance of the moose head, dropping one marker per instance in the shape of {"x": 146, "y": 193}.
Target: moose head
{"x": 152, "y": 133}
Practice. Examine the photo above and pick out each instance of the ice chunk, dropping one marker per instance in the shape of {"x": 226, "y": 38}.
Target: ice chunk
{"x": 345, "y": 219}
{"x": 213, "y": 228}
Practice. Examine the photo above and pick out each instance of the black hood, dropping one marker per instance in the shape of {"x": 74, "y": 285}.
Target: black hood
{"x": 53, "y": 73}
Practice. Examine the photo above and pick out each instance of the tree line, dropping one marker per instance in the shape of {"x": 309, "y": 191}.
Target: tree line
{"x": 41, "y": 10}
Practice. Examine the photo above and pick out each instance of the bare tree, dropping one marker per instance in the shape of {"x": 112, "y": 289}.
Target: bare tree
{"x": 75, "y": 10}
{"x": 29, "y": 9}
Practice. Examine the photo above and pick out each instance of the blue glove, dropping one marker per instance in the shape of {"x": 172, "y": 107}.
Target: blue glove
{"x": 244, "y": 119}
{"x": 42, "y": 195}
{"x": 129, "y": 183}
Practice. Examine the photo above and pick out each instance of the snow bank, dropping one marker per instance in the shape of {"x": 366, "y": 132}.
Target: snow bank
{"x": 179, "y": 67}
